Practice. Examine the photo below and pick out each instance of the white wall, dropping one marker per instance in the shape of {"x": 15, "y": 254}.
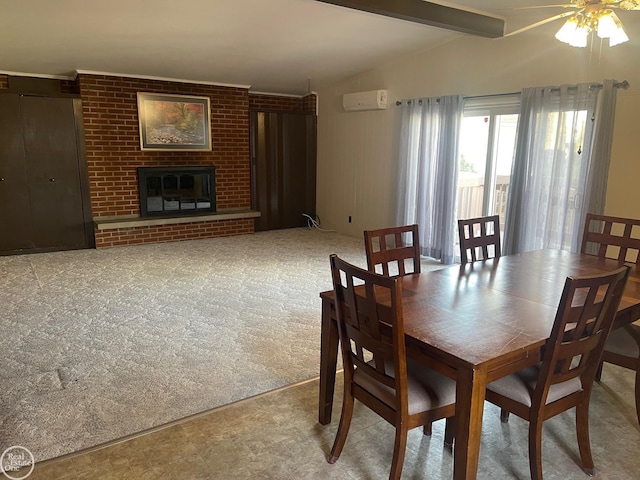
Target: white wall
{"x": 357, "y": 151}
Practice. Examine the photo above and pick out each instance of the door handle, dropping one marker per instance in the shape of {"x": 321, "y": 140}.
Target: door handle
{"x": 52, "y": 179}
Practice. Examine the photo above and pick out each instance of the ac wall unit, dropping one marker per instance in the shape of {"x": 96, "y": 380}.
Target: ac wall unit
{"x": 373, "y": 100}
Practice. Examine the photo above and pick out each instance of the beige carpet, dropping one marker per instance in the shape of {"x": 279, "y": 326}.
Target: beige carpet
{"x": 99, "y": 344}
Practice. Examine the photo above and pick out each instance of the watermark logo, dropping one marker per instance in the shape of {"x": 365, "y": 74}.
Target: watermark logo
{"x": 15, "y": 461}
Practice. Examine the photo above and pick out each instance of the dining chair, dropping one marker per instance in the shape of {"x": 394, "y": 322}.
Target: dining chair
{"x": 377, "y": 371}
{"x": 623, "y": 349}
{"x": 612, "y": 237}
{"x": 564, "y": 377}
{"x": 617, "y": 238}
{"x": 388, "y": 250}
{"x": 479, "y": 238}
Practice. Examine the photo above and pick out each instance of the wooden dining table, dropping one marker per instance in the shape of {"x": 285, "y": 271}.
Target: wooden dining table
{"x": 476, "y": 323}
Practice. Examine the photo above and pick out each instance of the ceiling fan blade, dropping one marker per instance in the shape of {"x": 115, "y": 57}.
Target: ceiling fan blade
{"x": 538, "y": 24}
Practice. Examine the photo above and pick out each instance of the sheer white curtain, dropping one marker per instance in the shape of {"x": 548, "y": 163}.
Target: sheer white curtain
{"x": 596, "y": 190}
{"x": 551, "y": 166}
{"x": 428, "y": 171}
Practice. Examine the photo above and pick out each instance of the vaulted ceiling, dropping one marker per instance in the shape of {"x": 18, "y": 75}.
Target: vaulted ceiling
{"x": 286, "y": 46}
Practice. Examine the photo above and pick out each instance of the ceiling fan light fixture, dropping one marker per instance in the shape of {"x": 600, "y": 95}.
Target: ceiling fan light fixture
{"x": 618, "y": 37}
{"x": 607, "y": 26}
{"x": 580, "y": 37}
{"x": 589, "y": 17}
{"x": 629, "y": 4}
{"x": 568, "y": 30}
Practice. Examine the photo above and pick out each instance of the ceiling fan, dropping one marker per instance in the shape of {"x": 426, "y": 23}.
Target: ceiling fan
{"x": 587, "y": 16}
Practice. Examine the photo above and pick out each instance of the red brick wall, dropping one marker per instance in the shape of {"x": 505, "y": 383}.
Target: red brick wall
{"x": 309, "y": 103}
{"x": 279, "y": 103}
{"x": 70, "y": 87}
{"x": 66, "y": 86}
{"x": 109, "y": 105}
{"x": 172, "y": 233}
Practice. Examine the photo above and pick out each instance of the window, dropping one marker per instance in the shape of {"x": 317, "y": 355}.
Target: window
{"x": 551, "y": 168}
{"x": 526, "y": 156}
{"x": 486, "y": 150}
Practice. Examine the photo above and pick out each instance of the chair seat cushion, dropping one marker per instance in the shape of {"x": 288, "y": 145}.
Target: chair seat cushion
{"x": 519, "y": 386}
{"x": 619, "y": 341}
{"x": 427, "y": 389}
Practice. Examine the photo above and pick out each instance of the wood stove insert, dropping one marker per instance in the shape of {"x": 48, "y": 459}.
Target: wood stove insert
{"x": 176, "y": 191}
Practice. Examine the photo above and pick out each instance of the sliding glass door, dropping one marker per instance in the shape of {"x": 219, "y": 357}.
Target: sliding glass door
{"x": 486, "y": 150}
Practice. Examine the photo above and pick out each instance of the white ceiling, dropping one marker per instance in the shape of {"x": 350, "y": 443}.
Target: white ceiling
{"x": 280, "y": 46}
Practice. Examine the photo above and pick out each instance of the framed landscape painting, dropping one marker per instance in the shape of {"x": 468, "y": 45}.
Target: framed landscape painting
{"x": 174, "y": 122}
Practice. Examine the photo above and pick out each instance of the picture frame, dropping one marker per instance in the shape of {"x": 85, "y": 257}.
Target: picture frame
{"x": 174, "y": 122}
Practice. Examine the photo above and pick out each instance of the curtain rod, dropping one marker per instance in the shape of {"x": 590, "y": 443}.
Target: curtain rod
{"x": 624, "y": 84}
{"x": 398, "y": 102}
{"x": 492, "y": 95}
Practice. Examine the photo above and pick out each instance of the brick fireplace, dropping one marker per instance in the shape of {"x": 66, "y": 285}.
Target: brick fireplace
{"x": 113, "y": 156}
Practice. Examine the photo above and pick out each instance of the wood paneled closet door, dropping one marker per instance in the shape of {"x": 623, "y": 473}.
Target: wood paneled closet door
{"x": 44, "y": 188}
{"x": 283, "y": 159}
{"x": 15, "y": 207}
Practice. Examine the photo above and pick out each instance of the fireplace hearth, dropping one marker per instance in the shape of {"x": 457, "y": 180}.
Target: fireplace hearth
{"x": 176, "y": 191}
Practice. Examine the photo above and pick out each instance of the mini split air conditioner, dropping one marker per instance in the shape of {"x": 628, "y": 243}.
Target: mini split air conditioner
{"x": 373, "y": 100}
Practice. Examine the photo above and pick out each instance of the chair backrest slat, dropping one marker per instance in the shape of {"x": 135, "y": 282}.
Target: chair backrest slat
{"x": 584, "y": 318}
{"x": 602, "y": 232}
{"x": 370, "y": 326}
{"x": 476, "y": 236}
{"x": 388, "y": 249}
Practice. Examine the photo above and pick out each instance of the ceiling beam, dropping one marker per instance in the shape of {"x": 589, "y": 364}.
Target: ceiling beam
{"x": 431, "y": 14}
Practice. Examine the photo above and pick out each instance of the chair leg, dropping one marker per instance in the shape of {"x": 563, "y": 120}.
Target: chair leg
{"x": 504, "y": 415}
{"x": 398, "y": 452}
{"x": 599, "y": 371}
{"x": 343, "y": 428}
{"x": 582, "y": 431}
{"x": 449, "y": 432}
{"x": 535, "y": 448}
{"x": 427, "y": 429}
{"x": 638, "y": 393}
